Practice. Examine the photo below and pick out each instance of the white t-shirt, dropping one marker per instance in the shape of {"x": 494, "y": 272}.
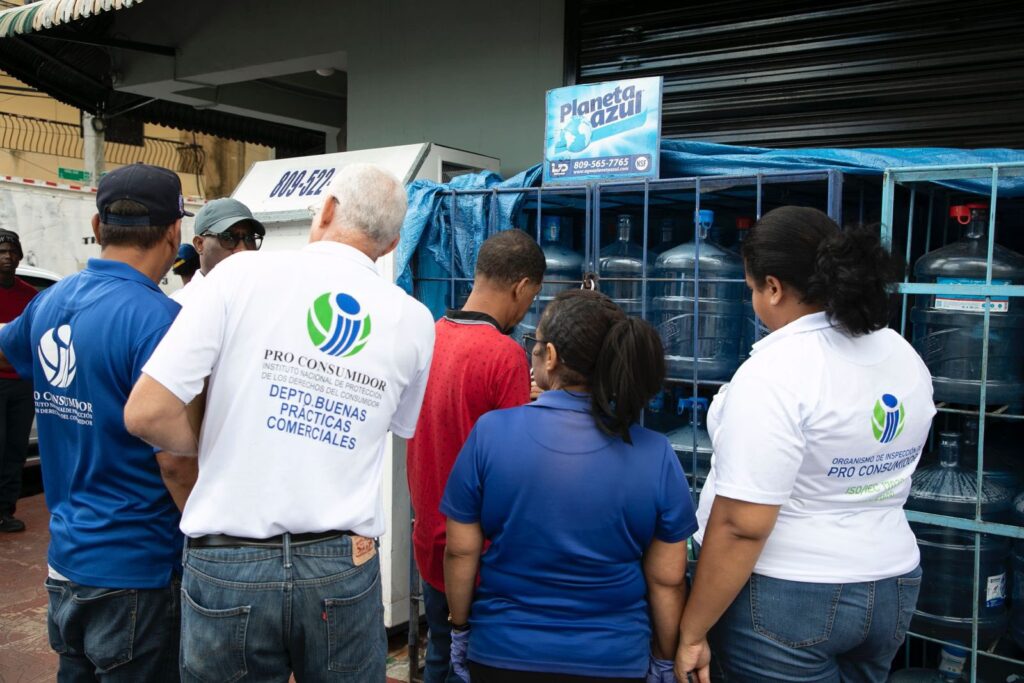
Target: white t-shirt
{"x": 187, "y": 291}
{"x": 829, "y": 427}
{"x": 312, "y": 358}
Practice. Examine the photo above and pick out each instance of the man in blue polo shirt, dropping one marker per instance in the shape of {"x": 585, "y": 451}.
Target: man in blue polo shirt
{"x": 115, "y": 547}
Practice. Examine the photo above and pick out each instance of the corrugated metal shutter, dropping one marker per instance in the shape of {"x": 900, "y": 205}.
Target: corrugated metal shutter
{"x": 837, "y": 74}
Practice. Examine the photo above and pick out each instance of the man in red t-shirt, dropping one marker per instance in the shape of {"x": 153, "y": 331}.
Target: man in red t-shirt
{"x": 16, "y": 405}
{"x": 476, "y": 368}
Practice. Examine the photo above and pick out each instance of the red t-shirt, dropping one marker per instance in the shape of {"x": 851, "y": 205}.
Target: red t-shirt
{"x": 12, "y": 302}
{"x": 475, "y": 369}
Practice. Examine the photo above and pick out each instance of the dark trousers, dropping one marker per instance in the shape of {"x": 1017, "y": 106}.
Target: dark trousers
{"x": 17, "y": 410}
{"x": 478, "y": 673}
{"x": 113, "y": 635}
{"x": 437, "y": 668}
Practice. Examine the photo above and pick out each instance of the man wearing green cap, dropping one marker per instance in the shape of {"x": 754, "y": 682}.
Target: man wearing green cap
{"x": 223, "y": 227}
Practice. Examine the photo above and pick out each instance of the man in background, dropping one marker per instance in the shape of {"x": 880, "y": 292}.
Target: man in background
{"x": 187, "y": 263}
{"x": 115, "y": 549}
{"x": 16, "y": 405}
{"x": 223, "y": 227}
{"x": 476, "y": 368}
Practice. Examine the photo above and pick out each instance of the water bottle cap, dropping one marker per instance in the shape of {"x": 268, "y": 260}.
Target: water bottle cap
{"x": 706, "y": 217}
{"x": 744, "y": 223}
{"x": 685, "y": 403}
{"x": 962, "y": 212}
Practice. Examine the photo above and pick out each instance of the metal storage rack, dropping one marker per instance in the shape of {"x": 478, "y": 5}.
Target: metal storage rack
{"x": 929, "y": 203}
{"x": 588, "y": 207}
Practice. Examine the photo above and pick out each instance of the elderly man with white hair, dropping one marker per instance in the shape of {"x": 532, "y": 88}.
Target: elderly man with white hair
{"x": 312, "y": 357}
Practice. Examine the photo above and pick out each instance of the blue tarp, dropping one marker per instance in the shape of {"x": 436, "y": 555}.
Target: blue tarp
{"x": 428, "y": 223}
{"x": 682, "y": 158}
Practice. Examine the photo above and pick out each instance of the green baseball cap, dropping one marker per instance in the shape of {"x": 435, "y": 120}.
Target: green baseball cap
{"x": 220, "y": 214}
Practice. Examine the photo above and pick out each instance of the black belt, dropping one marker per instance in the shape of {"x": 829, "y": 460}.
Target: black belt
{"x": 225, "y": 541}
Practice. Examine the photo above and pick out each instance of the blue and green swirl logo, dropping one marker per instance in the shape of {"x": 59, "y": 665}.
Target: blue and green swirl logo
{"x": 335, "y": 327}
{"x": 888, "y": 419}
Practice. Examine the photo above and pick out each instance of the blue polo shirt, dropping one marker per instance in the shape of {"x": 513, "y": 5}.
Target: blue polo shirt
{"x": 84, "y": 342}
{"x": 569, "y": 512}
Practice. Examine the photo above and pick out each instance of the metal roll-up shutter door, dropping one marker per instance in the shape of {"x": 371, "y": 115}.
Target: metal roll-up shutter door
{"x": 824, "y": 74}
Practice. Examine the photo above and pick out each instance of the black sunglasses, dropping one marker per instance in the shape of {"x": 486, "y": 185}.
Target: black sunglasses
{"x": 229, "y": 240}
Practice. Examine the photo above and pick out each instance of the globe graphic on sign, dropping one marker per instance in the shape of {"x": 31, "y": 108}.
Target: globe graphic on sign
{"x": 57, "y": 356}
{"x": 575, "y": 135}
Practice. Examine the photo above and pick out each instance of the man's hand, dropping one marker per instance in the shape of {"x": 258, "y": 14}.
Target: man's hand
{"x": 535, "y": 391}
{"x": 693, "y": 662}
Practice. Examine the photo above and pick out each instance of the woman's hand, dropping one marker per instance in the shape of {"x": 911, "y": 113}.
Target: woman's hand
{"x": 460, "y": 647}
{"x": 660, "y": 671}
{"x": 693, "y": 662}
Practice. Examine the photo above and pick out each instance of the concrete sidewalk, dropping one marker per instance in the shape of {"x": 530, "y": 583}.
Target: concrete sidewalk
{"x": 25, "y": 654}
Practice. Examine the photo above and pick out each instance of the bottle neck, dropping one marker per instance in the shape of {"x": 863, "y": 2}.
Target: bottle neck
{"x": 977, "y": 228}
{"x": 949, "y": 451}
{"x": 625, "y": 232}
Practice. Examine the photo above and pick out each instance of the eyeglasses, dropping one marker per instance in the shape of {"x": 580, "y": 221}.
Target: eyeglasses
{"x": 530, "y": 342}
{"x": 229, "y": 240}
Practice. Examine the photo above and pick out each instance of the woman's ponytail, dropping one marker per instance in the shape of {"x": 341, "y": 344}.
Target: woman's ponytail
{"x": 846, "y": 273}
{"x": 621, "y": 359}
{"x": 630, "y": 370}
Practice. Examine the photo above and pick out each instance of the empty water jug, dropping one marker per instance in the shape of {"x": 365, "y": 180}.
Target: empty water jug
{"x": 948, "y": 328}
{"x": 691, "y": 442}
{"x": 698, "y": 306}
{"x": 564, "y": 270}
{"x": 951, "y": 668}
{"x": 621, "y": 268}
{"x": 666, "y": 235}
{"x": 1000, "y": 463}
{"x": 752, "y": 329}
{"x": 948, "y": 594}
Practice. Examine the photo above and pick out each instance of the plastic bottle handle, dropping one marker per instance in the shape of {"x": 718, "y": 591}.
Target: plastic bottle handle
{"x": 964, "y": 220}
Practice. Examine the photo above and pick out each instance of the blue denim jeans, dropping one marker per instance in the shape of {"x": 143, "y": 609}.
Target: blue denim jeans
{"x": 113, "y": 635}
{"x": 263, "y": 613}
{"x": 780, "y": 630}
{"x": 437, "y": 668}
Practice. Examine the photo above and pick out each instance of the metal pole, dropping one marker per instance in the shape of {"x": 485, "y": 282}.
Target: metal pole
{"x": 415, "y": 598}
{"x": 92, "y": 147}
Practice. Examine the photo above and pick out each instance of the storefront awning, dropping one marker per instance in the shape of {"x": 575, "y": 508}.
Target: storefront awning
{"x": 45, "y": 14}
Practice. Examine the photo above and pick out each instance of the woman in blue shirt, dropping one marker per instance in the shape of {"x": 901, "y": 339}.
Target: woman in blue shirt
{"x": 587, "y": 514}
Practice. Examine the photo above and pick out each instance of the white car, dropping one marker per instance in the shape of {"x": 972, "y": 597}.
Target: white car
{"x": 40, "y": 279}
{"x": 37, "y": 277}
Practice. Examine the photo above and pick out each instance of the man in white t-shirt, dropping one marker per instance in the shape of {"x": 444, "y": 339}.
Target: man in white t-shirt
{"x": 223, "y": 227}
{"x": 312, "y": 358}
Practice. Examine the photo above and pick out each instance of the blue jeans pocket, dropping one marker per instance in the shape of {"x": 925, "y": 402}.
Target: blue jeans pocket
{"x": 355, "y": 626}
{"x": 110, "y": 614}
{"x": 213, "y": 641}
{"x": 794, "y": 614}
{"x": 56, "y": 593}
{"x": 907, "y": 589}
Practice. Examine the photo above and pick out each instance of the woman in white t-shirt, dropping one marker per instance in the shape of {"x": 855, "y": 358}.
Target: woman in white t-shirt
{"x": 808, "y": 569}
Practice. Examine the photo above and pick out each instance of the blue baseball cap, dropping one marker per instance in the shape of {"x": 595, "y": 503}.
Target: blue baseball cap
{"x": 187, "y": 259}
{"x": 158, "y": 189}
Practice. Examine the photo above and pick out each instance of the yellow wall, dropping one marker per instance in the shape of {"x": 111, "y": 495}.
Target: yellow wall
{"x": 226, "y": 160}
